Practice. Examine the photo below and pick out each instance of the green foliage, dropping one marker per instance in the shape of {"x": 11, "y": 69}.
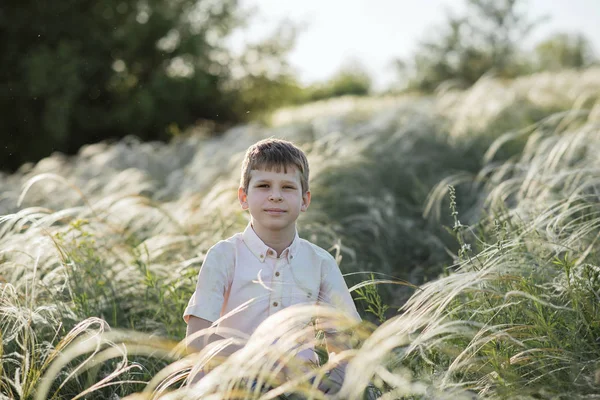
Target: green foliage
{"x": 351, "y": 80}
{"x": 457, "y": 228}
{"x": 525, "y": 332}
{"x": 487, "y": 38}
{"x": 564, "y": 51}
{"x": 98, "y": 288}
{"x": 75, "y": 74}
{"x": 91, "y": 289}
{"x": 370, "y": 295}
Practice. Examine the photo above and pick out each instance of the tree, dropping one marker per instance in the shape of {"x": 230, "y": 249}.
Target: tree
{"x": 351, "y": 79}
{"x": 486, "y": 39}
{"x": 564, "y": 50}
{"x": 77, "y": 72}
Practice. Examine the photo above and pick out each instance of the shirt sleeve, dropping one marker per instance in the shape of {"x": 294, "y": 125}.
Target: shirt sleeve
{"x": 211, "y": 288}
{"x": 334, "y": 291}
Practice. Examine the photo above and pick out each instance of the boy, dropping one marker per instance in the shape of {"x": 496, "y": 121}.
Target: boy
{"x": 268, "y": 263}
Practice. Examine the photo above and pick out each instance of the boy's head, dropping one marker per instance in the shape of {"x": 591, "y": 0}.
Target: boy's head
{"x": 274, "y": 155}
{"x": 274, "y": 187}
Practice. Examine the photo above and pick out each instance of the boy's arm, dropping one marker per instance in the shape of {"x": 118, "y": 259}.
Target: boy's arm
{"x": 198, "y": 342}
{"x": 194, "y": 326}
{"x": 212, "y": 285}
{"x": 334, "y": 292}
{"x": 208, "y": 298}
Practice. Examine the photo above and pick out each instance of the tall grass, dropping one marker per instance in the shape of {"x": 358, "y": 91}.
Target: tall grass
{"x": 524, "y": 303}
{"x": 96, "y": 249}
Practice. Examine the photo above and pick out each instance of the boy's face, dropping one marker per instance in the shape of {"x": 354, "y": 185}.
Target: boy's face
{"x": 275, "y": 200}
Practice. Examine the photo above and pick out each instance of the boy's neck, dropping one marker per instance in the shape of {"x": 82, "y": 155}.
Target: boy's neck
{"x": 278, "y": 241}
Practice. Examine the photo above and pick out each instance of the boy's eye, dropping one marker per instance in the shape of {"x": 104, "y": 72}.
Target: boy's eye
{"x": 262, "y": 185}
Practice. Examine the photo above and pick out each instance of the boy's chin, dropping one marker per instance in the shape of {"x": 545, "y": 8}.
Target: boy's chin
{"x": 276, "y": 225}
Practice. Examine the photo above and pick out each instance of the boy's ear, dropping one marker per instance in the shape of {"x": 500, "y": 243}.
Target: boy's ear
{"x": 243, "y": 198}
{"x": 305, "y": 201}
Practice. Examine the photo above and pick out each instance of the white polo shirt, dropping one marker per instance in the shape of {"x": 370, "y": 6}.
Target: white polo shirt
{"x": 244, "y": 268}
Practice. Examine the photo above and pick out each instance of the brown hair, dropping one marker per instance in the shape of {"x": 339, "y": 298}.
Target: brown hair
{"x": 274, "y": 154}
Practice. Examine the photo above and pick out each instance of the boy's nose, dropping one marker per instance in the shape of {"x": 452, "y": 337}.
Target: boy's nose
{"x": 275, "y": 197}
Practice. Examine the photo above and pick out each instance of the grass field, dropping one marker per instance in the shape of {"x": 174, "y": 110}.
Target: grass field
{"x": 468, "y": 222}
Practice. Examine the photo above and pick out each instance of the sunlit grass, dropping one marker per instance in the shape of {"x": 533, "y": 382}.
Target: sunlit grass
{"x": 99, "y": 253}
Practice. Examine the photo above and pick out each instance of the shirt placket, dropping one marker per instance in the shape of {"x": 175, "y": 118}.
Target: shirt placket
{"x": 277, "y": 285}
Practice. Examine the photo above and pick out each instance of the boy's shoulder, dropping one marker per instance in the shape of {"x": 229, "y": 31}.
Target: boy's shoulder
{"x": 317, "y": 251}
{"x": 227, "y": 246}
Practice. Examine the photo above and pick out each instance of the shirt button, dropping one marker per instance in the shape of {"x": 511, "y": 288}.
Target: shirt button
{"x": 262, "y": 256}
{"x": 277, "y": 273}
{"x": 275, "y": 304}
{"x": 291, "y": 256}
{"x": 270, "y": 252}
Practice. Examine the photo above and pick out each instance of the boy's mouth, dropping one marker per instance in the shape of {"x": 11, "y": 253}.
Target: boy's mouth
{"x": 274, "y": 211}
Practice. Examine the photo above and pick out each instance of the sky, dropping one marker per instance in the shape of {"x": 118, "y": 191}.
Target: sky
{"x": 375, "y": 32}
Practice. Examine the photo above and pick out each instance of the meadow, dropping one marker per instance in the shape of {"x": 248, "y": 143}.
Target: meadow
{"x": 466, "y": 224}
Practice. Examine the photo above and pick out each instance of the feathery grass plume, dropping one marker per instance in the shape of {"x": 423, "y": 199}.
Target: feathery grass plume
{"x": 528, "y": 303}
{"x": 495, "y": 106}
{"x": 265, "y": 366}
{"x": 92, "y": 351}
{"x": 31, "y": 340}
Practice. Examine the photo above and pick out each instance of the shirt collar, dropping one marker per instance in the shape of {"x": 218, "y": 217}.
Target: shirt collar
{"x": 260, "y": 249}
